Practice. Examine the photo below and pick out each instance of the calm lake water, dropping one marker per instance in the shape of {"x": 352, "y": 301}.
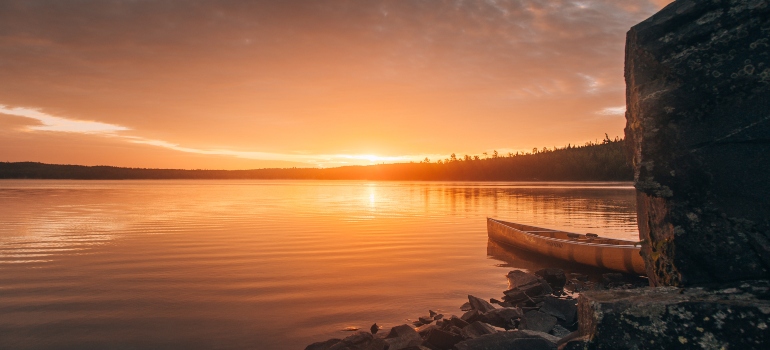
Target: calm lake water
{"x": 263, "y": 264}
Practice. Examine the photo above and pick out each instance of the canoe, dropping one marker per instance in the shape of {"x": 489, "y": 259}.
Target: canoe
{"x": 588, "y": 249}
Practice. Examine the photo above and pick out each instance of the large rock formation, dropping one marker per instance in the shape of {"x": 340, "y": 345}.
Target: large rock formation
{"x": 698, "y": 99}
{"x": 732, "y": 317}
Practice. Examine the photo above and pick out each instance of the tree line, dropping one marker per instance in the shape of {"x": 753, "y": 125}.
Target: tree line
{"x": 593, "y": 161}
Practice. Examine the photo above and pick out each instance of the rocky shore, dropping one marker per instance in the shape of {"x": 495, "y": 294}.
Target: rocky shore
{"x": 538, "y": 311}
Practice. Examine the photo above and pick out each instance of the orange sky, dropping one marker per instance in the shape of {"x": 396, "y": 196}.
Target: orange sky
{"x": 252, "y": 84}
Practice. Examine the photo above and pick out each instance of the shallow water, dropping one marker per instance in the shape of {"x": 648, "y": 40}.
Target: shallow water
{"x": 263, "y": 264}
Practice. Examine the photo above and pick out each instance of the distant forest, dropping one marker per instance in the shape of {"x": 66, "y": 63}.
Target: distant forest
{"x": 594, "y": 161}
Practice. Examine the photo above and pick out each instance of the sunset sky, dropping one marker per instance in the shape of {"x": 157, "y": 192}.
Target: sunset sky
{"x": 253, "y": 84}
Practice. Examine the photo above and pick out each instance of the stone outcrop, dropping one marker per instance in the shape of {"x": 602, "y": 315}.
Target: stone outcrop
{"x": 698, "y": 131}
{"x": 734, "y": 317}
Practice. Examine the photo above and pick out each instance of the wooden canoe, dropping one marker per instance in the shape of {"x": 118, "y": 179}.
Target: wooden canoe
{"x": 614, "y": 254}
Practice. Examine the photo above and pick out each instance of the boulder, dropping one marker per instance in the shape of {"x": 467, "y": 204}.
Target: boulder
{"x": 323, "y": 345}
{"x": 735, "y": 317}
{"x": 457, "y": 322}
{"x": 439, "y": 339}
{"x": 503, "y": 317}
{"x": 560, "y": 332}
{"x": 525, "y": 288}
{"x": 513, "y": 340}
{"x": 537, "y": 321}
{"x": 697, "y": 132}
{"x": 424, "y": 329}
{"x": 563, "y": 309}
{"x": 477, "y": 329}
{"x": 377, "y": 344}
{"x": 402, "y": 336}
{"x": 472, "y": 316}
{"x": 556, "y": 278}
{"x": 480, "y": 304}
{"x": 465, "y": 307}
{"x": 356, "y": 341}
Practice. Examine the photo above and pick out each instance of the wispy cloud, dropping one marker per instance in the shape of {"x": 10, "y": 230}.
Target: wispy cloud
{"x": 619, "y": 110}
{"x": 53, "y": 123}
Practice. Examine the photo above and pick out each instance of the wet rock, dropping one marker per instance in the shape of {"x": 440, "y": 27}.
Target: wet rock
{"x": 438, "y": 317}
{"x": 374, "y": 328}
{"x": 537, "y": 321}
{"x": 555, "y": 277}
{"x": 697, "y": 81}
{"x": 503, "y": 317}
{"x": 439, "y": 339}
{"x": 424, "y": 329}
{"x": 402, "y": 336}
{"x": 432, "y": 313}
{"x": 525, "y": 288}
{"x": 477, "y": 329}
{"x": 513, "y": 340}
{"x": 735, "y": 317}
{"x": 563, "y": 309}
{"x": 480, "y": 304}
{"x": 323, "y": 345}
{"x": 426, "y": 319}
{"x": 356, "y": 341}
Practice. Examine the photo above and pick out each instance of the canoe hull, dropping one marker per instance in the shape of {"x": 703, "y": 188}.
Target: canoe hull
{"x": 618, "y": 257}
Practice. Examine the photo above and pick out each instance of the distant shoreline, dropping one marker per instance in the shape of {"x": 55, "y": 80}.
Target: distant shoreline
{"x": 595, "y": 162}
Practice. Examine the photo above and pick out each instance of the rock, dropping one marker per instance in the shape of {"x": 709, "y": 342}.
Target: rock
{"x": 438, "y": 317}
{"x": 537, "y": 321}
{"x": 424, "y": 329}
{"x": 417, "y": 347}
{"x": 494, "y": 301}
{"x": 374, "y": 328}
{"x": 465, "y": 307}
{"x": 579, "y": 343}
{"x": 426, "y": 319}
{"x": 480, "y": 304}
{"x": 525, "y": 288}
{"x": 513, "y": 340}
{"x": 560, "y": 332}
{"x": 323, "y": 345}
{"x": 402, "y": 336}
{"x": 477, "y": 329}
{"x": 432, "y": 313}
{"x": 503, "y": 317}
{"x": 439, "y": 339}
{"x": 735, "y": 317}
{"x": 555, "y": 277}
{"x": 356, "y": 341}
{"x": 472, "y": 316}
{"x": 697, "y": 86}
{"x": 551, "y": 338}
{"x": 563, "y": 309}
{"x": 518, "y": 279}
{"x": 377, "y": 344}
{"x": 458, "y": 322}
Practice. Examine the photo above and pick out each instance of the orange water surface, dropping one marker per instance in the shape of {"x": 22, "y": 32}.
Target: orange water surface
{"x": 263, "y": 264}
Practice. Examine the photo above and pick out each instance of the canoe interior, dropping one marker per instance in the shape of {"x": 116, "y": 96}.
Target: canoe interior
{"x": 567, "y": 236}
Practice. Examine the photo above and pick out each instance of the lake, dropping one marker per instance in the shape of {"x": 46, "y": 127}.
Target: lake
{"x": 263, "y": 264}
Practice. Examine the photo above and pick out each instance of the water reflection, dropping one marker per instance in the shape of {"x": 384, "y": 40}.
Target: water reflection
{"x": 262, "y": 264}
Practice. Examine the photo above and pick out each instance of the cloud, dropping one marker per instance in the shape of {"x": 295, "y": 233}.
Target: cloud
{"x": 52, "y": 123}
{"x": 389, "y": 78}
{"x": 619, "y": 110}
